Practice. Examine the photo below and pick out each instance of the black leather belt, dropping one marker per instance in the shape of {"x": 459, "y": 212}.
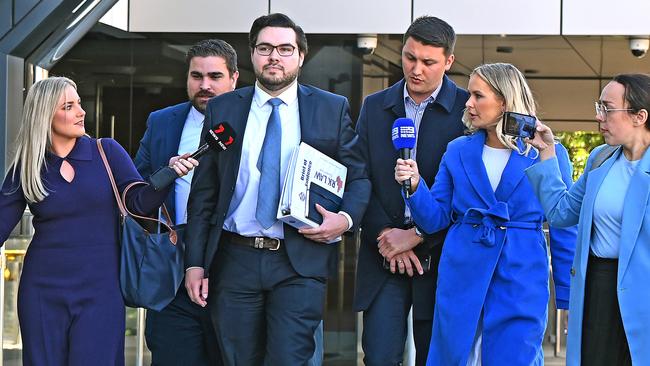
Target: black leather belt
{"x": 258, "y": 242}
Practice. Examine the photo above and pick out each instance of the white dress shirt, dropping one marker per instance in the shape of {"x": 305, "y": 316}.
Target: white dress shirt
{"x": 190, "y": 138}
{"x": 241, "y": 213}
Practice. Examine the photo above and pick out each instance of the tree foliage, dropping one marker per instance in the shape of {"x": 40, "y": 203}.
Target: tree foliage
{"x": 579, "y": 144}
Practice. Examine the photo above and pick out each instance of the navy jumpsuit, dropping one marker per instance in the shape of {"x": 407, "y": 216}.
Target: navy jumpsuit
{"x": 70, "y": 308}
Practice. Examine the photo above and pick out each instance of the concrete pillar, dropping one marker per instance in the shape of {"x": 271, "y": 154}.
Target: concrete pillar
{"x": 11, "y": 104}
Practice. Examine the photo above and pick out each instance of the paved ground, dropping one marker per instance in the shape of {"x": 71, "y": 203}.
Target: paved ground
{"x": 12, "y": 358}
{"x": 549, "y": 359}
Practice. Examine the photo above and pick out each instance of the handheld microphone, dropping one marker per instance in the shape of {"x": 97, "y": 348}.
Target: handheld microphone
{"x": 403, "y": 135}
{"x": 218, "y": 139}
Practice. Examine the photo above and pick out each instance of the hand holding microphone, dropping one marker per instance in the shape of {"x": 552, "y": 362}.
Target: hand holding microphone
{"x": 218, "y": 139}
{"x": 404, "y": 138}
{"x": 407, "y": 171}
{"x": 183, "y": 164}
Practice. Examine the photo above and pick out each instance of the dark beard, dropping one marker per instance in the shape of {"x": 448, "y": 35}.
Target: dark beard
{"x": 277, "y": 84}
{"x": 195, "y": 100}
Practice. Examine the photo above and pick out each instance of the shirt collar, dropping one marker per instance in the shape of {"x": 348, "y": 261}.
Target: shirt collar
{"x": 195, "y": 115}
{"x": 288, "y": 96}
{"x": 430, "y": 99}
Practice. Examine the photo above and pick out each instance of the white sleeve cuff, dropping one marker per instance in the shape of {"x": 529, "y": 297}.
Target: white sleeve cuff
{"x": 350, "y": 223}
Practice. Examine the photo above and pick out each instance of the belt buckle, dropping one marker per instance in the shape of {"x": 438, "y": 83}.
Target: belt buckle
{"x": 259, "y": 243}
{"x": 277, "y": 244}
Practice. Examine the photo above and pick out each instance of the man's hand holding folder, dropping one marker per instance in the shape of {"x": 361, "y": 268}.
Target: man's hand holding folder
{"x": 332, "y": 226}
{"x": 312, "y": 195}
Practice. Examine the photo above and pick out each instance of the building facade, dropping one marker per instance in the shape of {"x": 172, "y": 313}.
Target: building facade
{"x": 127, "y": 58}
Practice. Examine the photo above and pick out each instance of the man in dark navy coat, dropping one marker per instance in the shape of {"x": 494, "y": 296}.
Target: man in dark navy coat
{"x": 182, "y": 332}
{"x": 388, "y": 236}
{"x": 266, "y": 284}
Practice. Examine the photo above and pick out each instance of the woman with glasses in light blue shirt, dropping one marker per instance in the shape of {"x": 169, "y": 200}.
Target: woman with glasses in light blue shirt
{"x": 609, "y": 322}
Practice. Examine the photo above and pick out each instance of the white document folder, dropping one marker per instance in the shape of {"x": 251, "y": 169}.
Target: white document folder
{"x": 312, "y": 177}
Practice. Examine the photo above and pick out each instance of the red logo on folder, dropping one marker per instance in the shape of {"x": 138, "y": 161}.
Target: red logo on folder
{"x": 339, "y": 184}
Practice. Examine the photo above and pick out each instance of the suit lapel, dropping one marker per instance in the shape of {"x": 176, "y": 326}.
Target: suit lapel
{"x": 306, "y": 110}
{"x": 595, "y": 179}
{"x": 239, "y": 112}
{"x": 394, "y": 100}
{"x": 472, "y": 159}
{"x": 512, "y": 174}
{"x": 394, "y": 103}
{"x": 239, "y": 116}
{"x": 634, "y": 209}
{"x": 174, "y": 130}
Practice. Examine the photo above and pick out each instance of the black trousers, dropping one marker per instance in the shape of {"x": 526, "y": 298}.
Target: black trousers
{"x": 603, "y": 338}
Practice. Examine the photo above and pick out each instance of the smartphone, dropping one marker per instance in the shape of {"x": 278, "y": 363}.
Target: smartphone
{"x": 425, "y": 261}
{"x": 518, "y": 125}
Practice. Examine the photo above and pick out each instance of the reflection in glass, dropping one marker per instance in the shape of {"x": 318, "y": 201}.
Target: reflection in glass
{"x": 14, "y": 255}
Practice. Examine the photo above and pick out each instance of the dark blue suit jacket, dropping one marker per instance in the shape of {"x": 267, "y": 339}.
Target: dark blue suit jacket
{"x": 324, "y": 124}
{"x": 160, "y": 142}
{"x": 441, "y": 123}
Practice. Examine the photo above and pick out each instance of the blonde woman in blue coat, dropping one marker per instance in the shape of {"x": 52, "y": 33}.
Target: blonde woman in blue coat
{"x": 609, "y": 322}
{"x": 492, "y": 296}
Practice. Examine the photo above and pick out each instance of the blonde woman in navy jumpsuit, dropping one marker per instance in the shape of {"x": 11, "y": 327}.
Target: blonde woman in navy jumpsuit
{"x": 70, "y": 308}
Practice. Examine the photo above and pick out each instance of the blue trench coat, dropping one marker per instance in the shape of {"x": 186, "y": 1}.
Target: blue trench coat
{"x": 577, "y": 206}
{"x": 494, "y": 259}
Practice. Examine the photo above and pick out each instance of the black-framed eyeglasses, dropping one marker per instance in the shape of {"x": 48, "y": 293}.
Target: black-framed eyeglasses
{"x": 602, "y": 110}
{"x": 284, "y": 50}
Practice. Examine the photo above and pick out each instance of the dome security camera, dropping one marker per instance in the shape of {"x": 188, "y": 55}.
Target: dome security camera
{"x": 639, "y": 46}
{"x": 366, "y": 43}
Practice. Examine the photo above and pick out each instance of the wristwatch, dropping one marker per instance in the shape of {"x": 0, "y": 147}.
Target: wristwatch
{"x": 418, "y": 232}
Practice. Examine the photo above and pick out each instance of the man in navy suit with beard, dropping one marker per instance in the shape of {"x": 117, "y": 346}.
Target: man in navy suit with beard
{"x": 182, "y": 332}
{"x": 266, "y": 284}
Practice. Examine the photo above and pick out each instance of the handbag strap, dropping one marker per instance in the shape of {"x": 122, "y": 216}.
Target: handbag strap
{"x": 121, "y": 201}
{"x": 120, "y": 205}
{"x": 164, "y": 209}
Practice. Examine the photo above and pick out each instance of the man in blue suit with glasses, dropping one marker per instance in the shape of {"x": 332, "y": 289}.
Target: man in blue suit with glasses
{"x": 265, "y": 285}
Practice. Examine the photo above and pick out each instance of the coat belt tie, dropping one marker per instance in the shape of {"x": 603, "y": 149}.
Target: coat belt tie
{"x": 491, "y": 219}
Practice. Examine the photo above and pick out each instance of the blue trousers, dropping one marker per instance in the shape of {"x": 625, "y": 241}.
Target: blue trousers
{"x": 317, "y": 357}
{"x": 385, "y": 326}
{"x": 182, "y": 334}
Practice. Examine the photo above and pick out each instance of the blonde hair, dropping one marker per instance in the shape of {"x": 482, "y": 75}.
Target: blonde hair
{"x": 35, "y": 135}
{"x": 510, "y": 85}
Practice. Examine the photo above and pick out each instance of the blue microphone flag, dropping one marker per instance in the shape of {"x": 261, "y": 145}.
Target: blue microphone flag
{"x": 403, "y": 134}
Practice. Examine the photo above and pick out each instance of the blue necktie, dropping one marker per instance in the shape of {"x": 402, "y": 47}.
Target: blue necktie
{"x": 268, "y": 164}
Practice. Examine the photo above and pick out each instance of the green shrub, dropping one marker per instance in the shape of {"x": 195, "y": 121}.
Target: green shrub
{"x": 579, "y": 144}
